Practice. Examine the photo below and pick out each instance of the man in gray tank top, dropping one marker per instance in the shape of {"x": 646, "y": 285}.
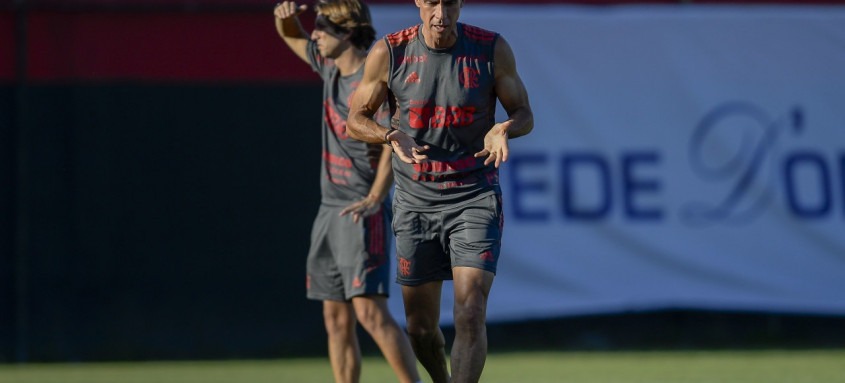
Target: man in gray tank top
{"x": 347, "y": 267}
{"x": 442, "y": 79}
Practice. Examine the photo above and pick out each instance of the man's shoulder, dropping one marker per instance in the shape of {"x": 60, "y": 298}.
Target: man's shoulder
{"x": 478, "y": 34}
{"x": 403, "y": 37}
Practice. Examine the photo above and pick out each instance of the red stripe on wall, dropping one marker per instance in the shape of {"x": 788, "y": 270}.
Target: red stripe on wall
{"x": 187, "y": 42}
{"x": 160, "y": 46}
{"x": 7, "y": 46}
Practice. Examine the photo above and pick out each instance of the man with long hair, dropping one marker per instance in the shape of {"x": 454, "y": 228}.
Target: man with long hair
{"x": 347, "y": 266}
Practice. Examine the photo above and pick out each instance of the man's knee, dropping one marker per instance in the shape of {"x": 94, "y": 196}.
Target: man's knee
{"x": 422, "y": 330}
{"x": 472, "y": 286}
{"x": 417, "y": 331}
{"x": 469, "y": 314}
{"x": 338, "y": 319}
{"x": 371, "y": 314}
{"x": 470, "y": 311}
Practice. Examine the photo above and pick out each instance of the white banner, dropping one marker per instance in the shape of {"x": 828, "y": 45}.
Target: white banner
{"x": 682, "y": 157}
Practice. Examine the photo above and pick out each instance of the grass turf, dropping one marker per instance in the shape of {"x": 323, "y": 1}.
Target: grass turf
{"x": 528, "y": 367}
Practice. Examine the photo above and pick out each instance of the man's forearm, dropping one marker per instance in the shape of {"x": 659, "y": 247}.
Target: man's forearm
{"x": 363, "y": 128}
{"x": 290, "y": 28}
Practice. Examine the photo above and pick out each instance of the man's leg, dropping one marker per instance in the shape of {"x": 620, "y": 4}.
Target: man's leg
{"x": 422, "y": 311}
{"x": 374, "y": 317}
{"x": 344, "y": 352}
{"x": 469, "y": 351}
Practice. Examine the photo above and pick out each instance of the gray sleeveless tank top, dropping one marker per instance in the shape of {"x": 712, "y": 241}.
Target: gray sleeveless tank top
{"x": 348, "y": 165}
{"x": 443, "y": 98}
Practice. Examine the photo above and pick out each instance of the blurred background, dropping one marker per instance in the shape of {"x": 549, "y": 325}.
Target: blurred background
{"x": 684, "y": 187}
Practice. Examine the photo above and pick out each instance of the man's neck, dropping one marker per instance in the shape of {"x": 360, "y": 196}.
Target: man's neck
{"x": 444, "y": 42}
{"x": 350, "y": 61}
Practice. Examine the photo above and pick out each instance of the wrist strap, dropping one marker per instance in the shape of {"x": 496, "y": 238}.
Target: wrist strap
{"x": 389, "y": 131}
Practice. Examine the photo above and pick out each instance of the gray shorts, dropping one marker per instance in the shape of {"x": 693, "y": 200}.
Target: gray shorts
{"x": 348, "y": 259}
{"x": 430, "y": 244}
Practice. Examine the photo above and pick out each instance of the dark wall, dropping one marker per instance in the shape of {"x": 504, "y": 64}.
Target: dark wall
{"x": 7, "y": 184}
{"x": 7, "y": 217}
{"x": 168, "y": 221}
{"x": 159, "y": 173}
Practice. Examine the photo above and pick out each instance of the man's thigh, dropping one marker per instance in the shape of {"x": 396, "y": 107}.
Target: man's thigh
{"x": 475, "y": 233}
{"x": 421, "y": 254}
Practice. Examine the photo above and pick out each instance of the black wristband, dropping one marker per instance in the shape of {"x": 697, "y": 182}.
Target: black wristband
{"x": 391, "y": 130}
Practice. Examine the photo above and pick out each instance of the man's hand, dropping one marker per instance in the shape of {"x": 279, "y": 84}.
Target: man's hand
{"x": 362, "y": 209}
{"x": 288, "y": 9}
{"x": 406, "y": 148}
{"x": 496, "y": 144}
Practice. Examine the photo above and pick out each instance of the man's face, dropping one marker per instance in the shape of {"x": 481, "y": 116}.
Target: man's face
{"x": 331, "y": 39}
{"x": 440, "y": 17}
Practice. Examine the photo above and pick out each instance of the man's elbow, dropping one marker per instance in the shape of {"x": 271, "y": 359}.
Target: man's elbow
{"x": 353, "y": 128}
{"x": 354, "y": 134}
{"x": 526, "y": 127}
{"x": 530, "y": 124}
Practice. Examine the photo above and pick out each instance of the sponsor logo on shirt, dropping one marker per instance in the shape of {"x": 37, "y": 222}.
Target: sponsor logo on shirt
{"x": 412, "y": 78}
{"x": 336, "y": 123}
{"x": 413, "y": 59}
{"x": 440, "y": 116}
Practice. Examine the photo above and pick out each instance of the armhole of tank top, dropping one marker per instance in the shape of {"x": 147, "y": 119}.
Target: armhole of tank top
{"x": 390, "y": 63}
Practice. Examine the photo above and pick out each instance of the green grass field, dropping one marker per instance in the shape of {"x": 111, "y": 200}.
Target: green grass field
{"x": 523, "y": 367}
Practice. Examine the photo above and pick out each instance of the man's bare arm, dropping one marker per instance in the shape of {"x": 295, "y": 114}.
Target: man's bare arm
{"x": 511, "y": 92}
{"x": 514, "y": 98}
{"x": 290, "y": 29}
{"x": 369, "y": 96}
{"x": 378, "y": 191}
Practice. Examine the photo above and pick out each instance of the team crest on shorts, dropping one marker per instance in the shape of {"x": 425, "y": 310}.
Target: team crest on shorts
{"x": 404, "y": 267}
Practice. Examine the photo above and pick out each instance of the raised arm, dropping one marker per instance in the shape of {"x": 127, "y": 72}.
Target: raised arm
{"x": 290, "y": 29}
